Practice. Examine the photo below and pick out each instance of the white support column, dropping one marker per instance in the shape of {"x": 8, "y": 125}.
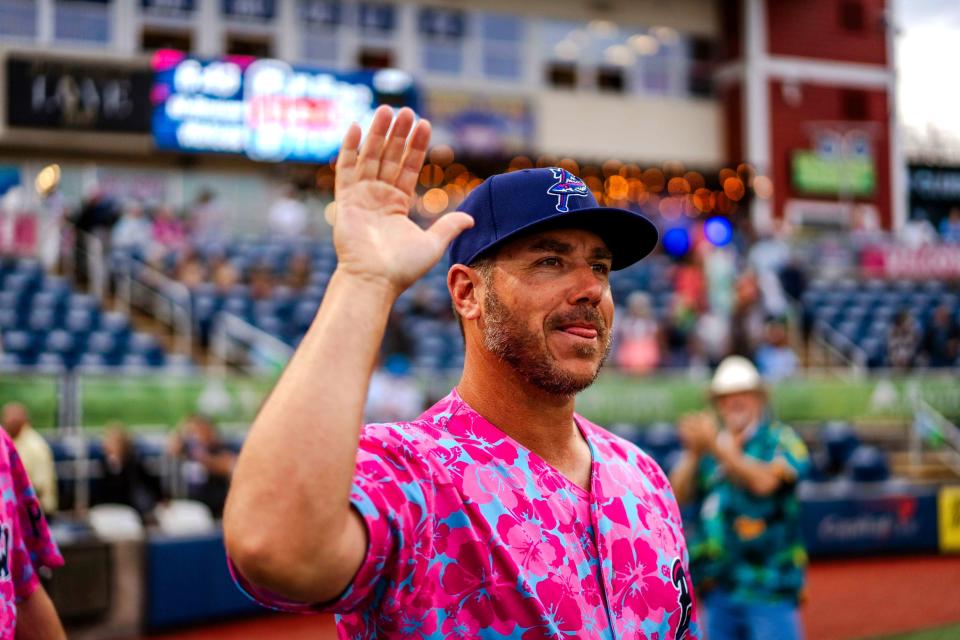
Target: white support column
{"x": 288, "y": 33}
{"x": 125, "y": 27}
{"x": 898, "y": 161}
{"x": 209, "y": 42}
{"x": 45, "y": 17}
{"x": 756, "y": 101}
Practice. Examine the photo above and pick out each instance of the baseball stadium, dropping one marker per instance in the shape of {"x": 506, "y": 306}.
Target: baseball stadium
{"x": 427, "y": 319}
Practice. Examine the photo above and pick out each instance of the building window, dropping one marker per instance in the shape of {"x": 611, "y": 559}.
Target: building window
{"x": 702, "y": 65}
{"x": 851, "y": 15}
{"x": 18, "y": 18}
{"x": 610, "y": 79}
{"x": 854, "y": 104}
{"x": 249, "y": 45}
{"x": 373, "y": 58}
{"x": 179, "y": 9}
{"x": 562, "y": 75}
{"x": 502, "y": 40}
{"x": 442, "y": 33}
{"x": 321, "y": 20}
{"x": 82, "y": 20}
{"x": 377, "y": 18}
{"x": 153, "y": 39}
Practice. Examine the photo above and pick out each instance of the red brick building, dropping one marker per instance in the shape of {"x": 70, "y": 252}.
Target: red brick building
{"x": 808, "y": 94}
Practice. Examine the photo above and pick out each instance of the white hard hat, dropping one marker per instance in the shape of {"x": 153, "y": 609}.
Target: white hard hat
{"x": 735, "y": 374}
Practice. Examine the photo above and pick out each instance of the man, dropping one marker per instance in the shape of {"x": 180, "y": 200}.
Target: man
{"x": 747, "y": 556}
{"x": 26, "y": 610}
{"x": 34, "y": 452}
{"x": 207, "y": 461}
{"x": 499, "y": 513}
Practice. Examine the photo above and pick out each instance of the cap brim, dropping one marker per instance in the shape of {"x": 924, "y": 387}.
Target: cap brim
{"x": 628, "y": 235}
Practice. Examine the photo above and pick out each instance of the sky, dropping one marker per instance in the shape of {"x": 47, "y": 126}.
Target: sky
{"x": 927, "y": 52}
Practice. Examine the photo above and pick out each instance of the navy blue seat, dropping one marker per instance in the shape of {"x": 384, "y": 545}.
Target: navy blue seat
{"x": 868, "y": 464}
{"x": 840, "y": 440}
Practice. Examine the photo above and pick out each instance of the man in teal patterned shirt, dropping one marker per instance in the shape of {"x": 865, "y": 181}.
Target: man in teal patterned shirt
{"x": 746, "y": 553}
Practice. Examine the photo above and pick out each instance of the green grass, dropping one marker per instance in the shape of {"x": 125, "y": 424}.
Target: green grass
{"x": 951, "y": 632}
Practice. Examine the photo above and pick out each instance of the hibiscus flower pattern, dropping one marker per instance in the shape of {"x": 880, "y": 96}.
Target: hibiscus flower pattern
{"x": 471, "y": 535}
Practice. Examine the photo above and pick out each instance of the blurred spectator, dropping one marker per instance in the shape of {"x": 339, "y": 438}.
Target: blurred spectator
{"x": 189, "y": 269}
{"x": 637, "y": 336}
{"x": 793, "y": 278}
{"x": 677, "y": 331}
{"x": 53, "y": 217}
{"x": 747, "y": 557}
{"x": 34, "y": 452}
{"x": 902, "y": 341}
{"x": 393, "y": 394}
{"x": 207, "y": 461}
{"x": 396, "y": 339}
{"x": 95, "y": 217}
{"x": 950, "y": 227}
{"x": 224, "y": 274}
{"x": 941, "y": 341}
{"x": 917, "y": 233}
{"x": 206, "y": 219}
{"x": 775, "y": 358}
{"x": 133, "y": 232}
{"x": 288, "y": 216}
{"x": 125, "y": 479}
{"x": 168, "y": 231}
{"x": 749, "y": 316}
{"x": 261, "y": 283}
{"x": 689, "y": 283}
{"x": 298, "y": 271}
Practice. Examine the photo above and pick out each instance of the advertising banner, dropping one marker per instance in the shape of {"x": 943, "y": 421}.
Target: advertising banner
{"x": 949, "y": 512}
{"x": 265, "y": 109}
{"x": 857, "y": 524}
{"x": 928, "y": 262}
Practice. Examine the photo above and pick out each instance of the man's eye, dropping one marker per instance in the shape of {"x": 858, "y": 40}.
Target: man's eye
{"x": 550, "y": 262}
{"x": 601, "y": 267}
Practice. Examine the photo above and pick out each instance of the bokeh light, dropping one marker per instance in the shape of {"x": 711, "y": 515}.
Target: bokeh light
{"x": 733, "y": 188}
{"x": 718, "y": 231}
{"x": 763, "y": 187}
{"x": 441, "y": 155}
{"x": 435, "y": 201}
{"x": 678, "y": 187}
{"x": 431, "y": 176}
{"x": 676, "y": 242}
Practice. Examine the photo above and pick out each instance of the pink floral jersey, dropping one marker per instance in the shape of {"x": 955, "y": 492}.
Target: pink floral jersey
{"x": 471, "y": 535}
{"x": 25, "y": 542}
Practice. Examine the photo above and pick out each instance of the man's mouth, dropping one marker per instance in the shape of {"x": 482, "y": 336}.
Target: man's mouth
{"x": 581, "y": 329}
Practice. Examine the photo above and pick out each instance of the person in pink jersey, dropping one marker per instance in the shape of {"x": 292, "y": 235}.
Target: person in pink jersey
{"x": 26, "y": 610}
{"x": 499, "y": 512}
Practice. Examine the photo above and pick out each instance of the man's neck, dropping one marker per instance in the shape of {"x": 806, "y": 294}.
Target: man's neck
{"x": 540, "y": 421}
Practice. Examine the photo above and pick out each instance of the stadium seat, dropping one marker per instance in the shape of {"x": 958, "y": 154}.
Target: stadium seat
{"x": 868, "y": 464}
{"x": 115, "y": 522}
{"x": 840, "y": 440}
{"x": 184, "y": 518}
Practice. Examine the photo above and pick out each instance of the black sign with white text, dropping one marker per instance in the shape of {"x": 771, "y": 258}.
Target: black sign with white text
{"x": 67, "y": 94}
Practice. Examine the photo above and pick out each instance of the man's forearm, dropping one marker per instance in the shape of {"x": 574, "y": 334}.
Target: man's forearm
{"x": 757, "y": 477}
{"x": 683, "y": 477}
{"x": 289, "y": 499}
{"x": 37, "y": 618}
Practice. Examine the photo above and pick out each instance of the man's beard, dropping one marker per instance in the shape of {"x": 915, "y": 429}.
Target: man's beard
{"x": 507, "y": 336}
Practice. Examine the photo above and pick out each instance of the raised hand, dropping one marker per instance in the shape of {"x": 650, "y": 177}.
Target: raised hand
{"x": 373, "y": 234}
{"x": 698, "y": 432}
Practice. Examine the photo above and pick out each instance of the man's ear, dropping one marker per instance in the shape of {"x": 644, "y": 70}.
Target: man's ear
{"x": 463, "y": 283}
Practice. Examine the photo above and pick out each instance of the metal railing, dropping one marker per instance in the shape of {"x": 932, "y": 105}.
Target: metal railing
{"x": 166, "y": 300}
{"x": 833, "y": 349}
{"x": 259, "y": 349}
{"x": 929, "y": 424}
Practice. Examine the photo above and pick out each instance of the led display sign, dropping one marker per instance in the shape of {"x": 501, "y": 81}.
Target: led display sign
{"x": 265, "y": 109}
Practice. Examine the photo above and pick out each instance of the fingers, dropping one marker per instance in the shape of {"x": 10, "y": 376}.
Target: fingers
{"x": 393, "y": 150}
{"x": 413, "y": 158}
{"x": 449, "y": 226}
{"x": 368, "y": 163}
{"x": 347, "y": 158}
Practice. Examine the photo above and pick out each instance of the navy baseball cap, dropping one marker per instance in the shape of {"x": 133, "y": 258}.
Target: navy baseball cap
{"x": 510, "y": 204}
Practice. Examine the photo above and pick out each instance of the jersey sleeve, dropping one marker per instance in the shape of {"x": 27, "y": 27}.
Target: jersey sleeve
{"x": 793, "y": 452}
{"x": 393, "y": 493}
{"x": 32, "y": 545}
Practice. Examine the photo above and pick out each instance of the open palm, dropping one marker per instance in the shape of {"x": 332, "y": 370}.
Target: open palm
{"x": 373, "y": 234}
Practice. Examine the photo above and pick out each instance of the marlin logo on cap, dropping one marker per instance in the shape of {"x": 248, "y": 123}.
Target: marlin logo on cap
{"x": 566, "y": 185}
